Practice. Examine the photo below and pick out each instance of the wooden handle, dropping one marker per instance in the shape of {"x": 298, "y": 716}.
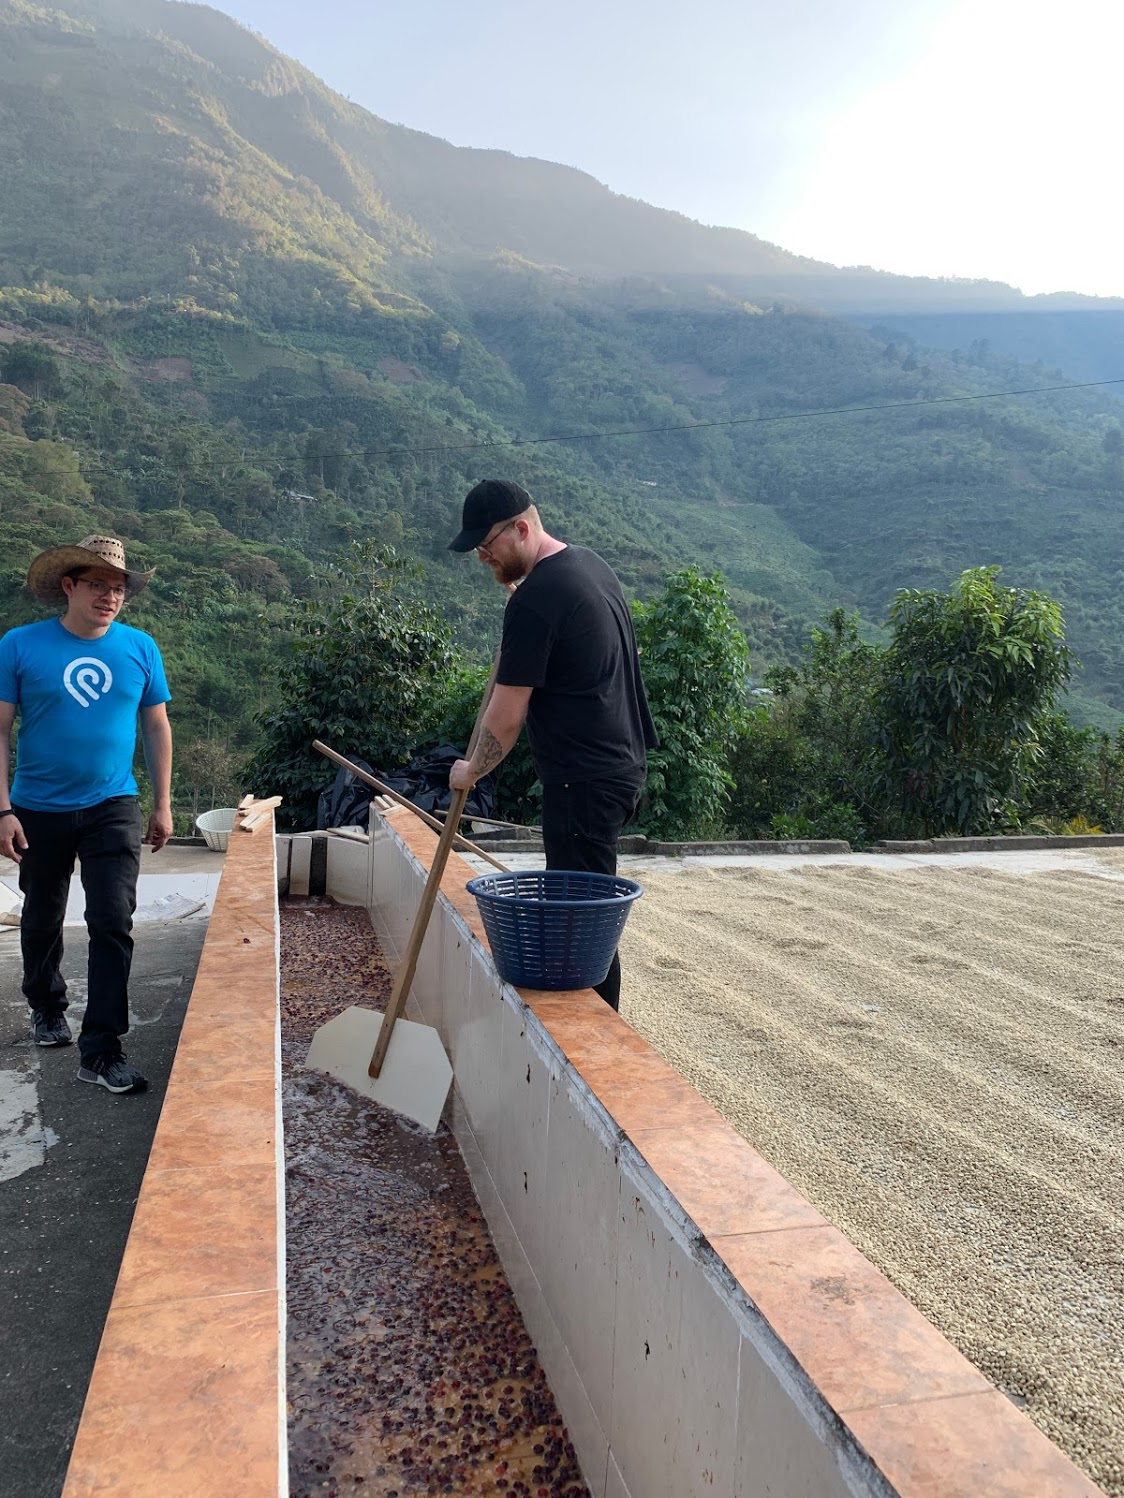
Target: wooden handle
{"x": 492, "y": 821}
{"x": 405, "y": 975}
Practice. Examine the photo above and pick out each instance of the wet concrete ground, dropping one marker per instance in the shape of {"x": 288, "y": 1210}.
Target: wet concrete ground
{"x": 409, "y": 1369}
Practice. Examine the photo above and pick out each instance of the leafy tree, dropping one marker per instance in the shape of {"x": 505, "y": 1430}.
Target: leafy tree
{"x": 518, "y": 793}
{"x": 1059, "y": 785}
{"x": 33, "y": 368}
{"x": 772, "y": 770}
{"x": 805, "y": 766}
{"x": 47, "y": 468}
{"x": 695, "y": 663}
{"x": 363, "y": 671}
{"x": 13, "y": 408}
{"x": 834, "y": 691}
{"x": 1079, "y": 774}
{"x": 1106, "y": 799}
{"x": 258, "y": 574}
{"x": 966, "y": 682}
{"x": 207, "y": 768}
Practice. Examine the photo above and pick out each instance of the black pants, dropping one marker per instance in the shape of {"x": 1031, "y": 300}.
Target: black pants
{"x": 581, "y": 822}
{"x": 106, "y": 839}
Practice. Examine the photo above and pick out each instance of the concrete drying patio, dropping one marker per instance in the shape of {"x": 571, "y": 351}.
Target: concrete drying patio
{"x": 702, "y": 1326}
{"x": 931, "y": 1052}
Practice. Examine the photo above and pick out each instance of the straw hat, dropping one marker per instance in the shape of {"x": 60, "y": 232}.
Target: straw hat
{"x": 44, "y": 576}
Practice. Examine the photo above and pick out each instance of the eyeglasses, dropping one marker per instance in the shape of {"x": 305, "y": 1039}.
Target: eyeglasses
{"x": 491, "y": 541}
{"x": 103, "y": 590}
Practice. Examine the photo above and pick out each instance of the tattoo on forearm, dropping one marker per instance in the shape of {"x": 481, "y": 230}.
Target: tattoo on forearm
{"x": 489, "y": 751}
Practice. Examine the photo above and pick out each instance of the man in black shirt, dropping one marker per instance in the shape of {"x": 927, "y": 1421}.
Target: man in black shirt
{"x": 569, "y": 668}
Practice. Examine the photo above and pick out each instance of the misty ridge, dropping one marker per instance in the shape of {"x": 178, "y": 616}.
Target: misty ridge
{"x": 269, "y": 323}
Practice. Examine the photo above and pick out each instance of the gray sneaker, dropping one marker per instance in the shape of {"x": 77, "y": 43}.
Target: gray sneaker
{"x": 113, "y": 1072}
{"x": 49, "y": 1029}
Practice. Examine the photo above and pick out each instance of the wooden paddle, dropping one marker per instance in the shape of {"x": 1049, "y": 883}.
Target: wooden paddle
{"x": 405, "y": 975}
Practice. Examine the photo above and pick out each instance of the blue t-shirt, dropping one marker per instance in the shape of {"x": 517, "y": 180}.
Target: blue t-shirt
{"x": 78, "y": 702}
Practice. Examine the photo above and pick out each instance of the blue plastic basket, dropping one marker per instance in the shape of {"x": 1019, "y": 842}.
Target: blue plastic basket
{"x": 553, "y": 928}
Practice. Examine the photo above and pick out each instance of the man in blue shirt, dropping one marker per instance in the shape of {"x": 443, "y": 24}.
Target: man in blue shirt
{"x": 78, "y": 682}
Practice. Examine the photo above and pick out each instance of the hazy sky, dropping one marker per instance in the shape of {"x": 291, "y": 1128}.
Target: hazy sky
{"x": 935, "y": 137}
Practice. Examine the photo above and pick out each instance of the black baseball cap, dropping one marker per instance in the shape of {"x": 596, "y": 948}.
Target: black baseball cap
{"x": 490, "y": 501}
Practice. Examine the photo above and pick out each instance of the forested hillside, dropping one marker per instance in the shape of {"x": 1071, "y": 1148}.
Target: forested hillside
{"x": 243, "y": 322}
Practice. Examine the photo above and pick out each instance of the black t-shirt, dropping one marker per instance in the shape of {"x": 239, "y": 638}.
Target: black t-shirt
{"x": 568, "y": 634}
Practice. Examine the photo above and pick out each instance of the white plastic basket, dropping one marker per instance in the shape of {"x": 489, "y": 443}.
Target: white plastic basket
{"x": 216, "y": 826}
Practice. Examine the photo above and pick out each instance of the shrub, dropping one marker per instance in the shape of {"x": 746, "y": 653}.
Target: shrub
{"x": 363, "y": 671}
{"x": 695, "y": 664}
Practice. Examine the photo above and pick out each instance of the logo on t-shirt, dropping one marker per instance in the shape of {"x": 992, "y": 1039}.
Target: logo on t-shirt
{"x": 87, "y": 679}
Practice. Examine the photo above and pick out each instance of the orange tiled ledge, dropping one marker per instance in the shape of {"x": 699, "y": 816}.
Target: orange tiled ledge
{"x": 187, "y": 1394}
{"x": 929, "y": 1421}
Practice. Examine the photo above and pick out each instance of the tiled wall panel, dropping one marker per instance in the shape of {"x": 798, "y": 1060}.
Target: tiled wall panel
{"x": 579, "y": 1252}
{"x": 675, "y": 1356}
{"x": 348, "y": 861}
{"x": 299, "y": 862}
{"x": 521, "y": 1164}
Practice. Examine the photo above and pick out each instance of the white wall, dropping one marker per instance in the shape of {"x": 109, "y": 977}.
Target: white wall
{"x": 669, "y": 1382}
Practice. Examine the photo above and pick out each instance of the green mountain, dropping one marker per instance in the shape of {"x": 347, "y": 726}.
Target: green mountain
{"x": 268, "y": 322}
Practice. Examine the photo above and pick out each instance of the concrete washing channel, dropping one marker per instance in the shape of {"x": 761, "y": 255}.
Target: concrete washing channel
{"x": 672, "y": 1318}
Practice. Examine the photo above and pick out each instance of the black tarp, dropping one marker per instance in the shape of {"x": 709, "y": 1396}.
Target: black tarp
{"x": 424, "y": 781}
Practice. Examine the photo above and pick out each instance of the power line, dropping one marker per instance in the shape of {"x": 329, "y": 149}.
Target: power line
{"x": 400, "y": 450}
